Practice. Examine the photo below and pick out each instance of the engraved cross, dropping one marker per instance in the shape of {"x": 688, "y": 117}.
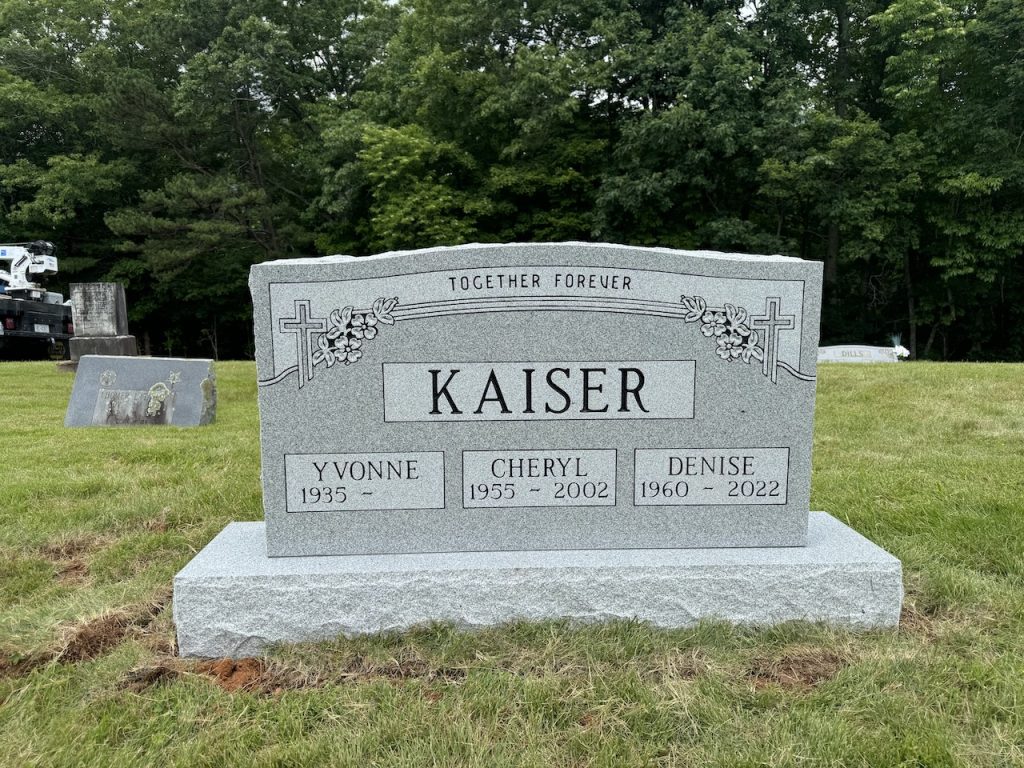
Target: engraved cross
{"x": 305, "y": 327}
{"x": 771, "y": 322}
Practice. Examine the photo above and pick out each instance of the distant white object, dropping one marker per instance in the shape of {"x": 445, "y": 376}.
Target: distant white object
{"x": 859, "y": 353}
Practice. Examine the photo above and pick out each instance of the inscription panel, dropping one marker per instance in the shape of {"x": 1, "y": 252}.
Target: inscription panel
{"x": 711, "y": 476}
{"x": 509, "y": 391}
{"x": 542, "y": 478}
{"x": 349, "y": 482}
{"x": 99, "y": 309}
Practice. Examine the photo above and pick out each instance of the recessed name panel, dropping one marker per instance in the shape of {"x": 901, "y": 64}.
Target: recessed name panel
{"x": 542, "y": 478}
{"x": 711, "y": 476}
{"x": 538, "y": 391}
{"x": 339, "y": 482}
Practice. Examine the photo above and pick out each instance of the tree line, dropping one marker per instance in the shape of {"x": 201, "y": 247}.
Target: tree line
{"x": 170, "y": 144}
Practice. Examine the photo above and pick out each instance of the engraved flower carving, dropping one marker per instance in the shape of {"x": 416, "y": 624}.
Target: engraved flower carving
{"x": 338, "y": 323}
{"x": 730, "y": 346}
{"x": 712, "y": 322}
{"x": 364, "y": 326}
{"x": 324, "y": 352}
{"x": 694, "y": 306}
{"x": 751, "y": 349}
{"x": 349, "y": 328}
{"x": 348, "y": 350}
{"x": 728, "y": 325}
{"x": 735, "y": 318}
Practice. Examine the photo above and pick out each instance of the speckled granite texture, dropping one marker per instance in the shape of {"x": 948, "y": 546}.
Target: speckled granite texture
{"x": 233, "y": 600}
{"x": 350, "y": 351}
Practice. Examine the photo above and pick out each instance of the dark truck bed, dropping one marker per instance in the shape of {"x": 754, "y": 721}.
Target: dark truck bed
{"x": 32, "y": 330}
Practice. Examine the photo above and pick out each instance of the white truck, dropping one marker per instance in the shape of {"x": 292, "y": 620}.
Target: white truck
{"x": 34, "y": 322}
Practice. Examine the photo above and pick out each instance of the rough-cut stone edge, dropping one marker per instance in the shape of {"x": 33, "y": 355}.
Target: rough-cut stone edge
{"x": 233, "y": 600}
{"x": 342, "y": 257}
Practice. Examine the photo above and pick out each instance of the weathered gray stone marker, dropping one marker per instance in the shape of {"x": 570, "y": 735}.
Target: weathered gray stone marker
{"x": 112, "y": 391}
{"x": 100, "y": 315}
{"x": 485, "y": 433}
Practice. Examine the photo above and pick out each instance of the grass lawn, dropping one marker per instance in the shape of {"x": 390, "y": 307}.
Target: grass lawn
{"x": 925, "y": 459}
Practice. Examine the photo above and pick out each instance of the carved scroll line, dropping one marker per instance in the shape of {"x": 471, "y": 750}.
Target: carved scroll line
{"x": 797, "y": 373}
{"x": 279, "y": 377}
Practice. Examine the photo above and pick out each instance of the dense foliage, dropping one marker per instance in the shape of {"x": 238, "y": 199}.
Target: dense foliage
{"x": 169, "y": 144}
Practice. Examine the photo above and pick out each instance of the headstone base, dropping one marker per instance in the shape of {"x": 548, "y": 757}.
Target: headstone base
{"x": 118, "y": 346}
{"x": 232, "y": 600}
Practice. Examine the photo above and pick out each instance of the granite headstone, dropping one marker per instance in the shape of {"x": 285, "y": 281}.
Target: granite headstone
{"x": 535, "y": 397}
{"x": 124, "y": 391}
{"x": 100, "y": 315}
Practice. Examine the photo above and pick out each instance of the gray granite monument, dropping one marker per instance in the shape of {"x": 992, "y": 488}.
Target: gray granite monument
{"x": 100, "y": 315}
{"x": 484, "y": 433}
{"x": 112, "y": 391}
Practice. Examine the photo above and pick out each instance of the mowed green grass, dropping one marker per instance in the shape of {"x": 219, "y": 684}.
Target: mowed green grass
{"x": 925, "y": 459}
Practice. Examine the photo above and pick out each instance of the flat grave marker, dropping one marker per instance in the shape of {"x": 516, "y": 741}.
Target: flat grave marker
{"x": 113, "y": 391}
{"x": 857, "y": 353}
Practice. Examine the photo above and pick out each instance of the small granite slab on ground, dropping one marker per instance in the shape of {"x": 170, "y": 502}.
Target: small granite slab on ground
{"x": 233, "y": 600}
{"x": 857, "y": 353}
{"x": 120, "y": 391}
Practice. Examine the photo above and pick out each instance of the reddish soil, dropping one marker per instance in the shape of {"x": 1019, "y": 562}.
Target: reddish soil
{"x": 237, "y": 674}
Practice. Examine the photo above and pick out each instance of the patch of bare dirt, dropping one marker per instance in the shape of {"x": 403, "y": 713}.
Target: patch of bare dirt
{"x": 797, "y": 670}
{"x": 403, "y": 668}
{"x": 72, "y": 572}
{"x": 69, "y": 557}
{"x": 88, "y": 639}
{"x": 72, "y": 548}
{"x": 142, "y": 678}
{"x": 237, "y": 674}
{"x": 264, "y": 676}
{"x": 21, "y": 667}
{"x": 255, "y": 675}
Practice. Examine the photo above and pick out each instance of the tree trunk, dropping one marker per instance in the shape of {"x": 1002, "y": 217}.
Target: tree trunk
{"x": 841, "y": 79}
{"x": 911, "y": 309}
{"x": 832, "y": 255}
